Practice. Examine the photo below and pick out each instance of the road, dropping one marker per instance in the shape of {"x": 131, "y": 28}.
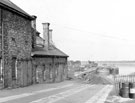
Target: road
{"x": 69, "y": 92}
{"x": 93, "y": 69}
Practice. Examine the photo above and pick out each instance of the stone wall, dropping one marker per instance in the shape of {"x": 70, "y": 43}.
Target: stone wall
{"x": 0, "y": 35}
{"x": 50, "y": 69}
{"x": 17, "y": 45}
{"x": 17, "y": 41}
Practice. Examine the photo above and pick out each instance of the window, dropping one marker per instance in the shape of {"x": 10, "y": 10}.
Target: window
{"x": 14, "y": 68}
{"x": 26, "y": 42}
{"x": 13, "y": 39}
{"x": 1, "y": 70}
{"x": 50, "y": 69}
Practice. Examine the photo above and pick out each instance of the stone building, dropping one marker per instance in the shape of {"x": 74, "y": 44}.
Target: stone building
{"x": 22, "y": 58}
{"x": 50, "y": 62}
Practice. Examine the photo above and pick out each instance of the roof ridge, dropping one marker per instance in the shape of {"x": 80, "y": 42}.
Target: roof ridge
{"x": 14, "y": 7}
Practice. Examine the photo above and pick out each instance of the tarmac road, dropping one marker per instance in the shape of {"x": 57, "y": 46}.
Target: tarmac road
{"x": 66, "y": 92}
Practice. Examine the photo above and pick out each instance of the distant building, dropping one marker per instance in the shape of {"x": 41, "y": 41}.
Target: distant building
{"x": 74, "y": 65}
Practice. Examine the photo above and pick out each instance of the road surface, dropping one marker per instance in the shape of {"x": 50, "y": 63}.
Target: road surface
{"x": 69, "y": 92}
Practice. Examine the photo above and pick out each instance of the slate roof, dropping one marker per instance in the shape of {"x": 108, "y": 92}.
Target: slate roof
{"x": 11, "y": 6}
{"x": 39, "y": 41}
{"x": 40, "y": 51}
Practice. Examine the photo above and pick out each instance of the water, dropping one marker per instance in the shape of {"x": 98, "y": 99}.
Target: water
{"x": 126, "y": 68}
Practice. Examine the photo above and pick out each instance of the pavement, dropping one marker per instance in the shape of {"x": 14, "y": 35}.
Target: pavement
{"x": 65, "y": 92}
{"x": 31, "y": 88}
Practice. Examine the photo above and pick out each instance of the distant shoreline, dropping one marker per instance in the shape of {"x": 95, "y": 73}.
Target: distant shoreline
{"x": 115, "y": 61}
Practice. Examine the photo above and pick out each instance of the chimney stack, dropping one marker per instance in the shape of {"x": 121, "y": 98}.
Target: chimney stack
{"x": 33, "y": 22}
{"x": 46, "y": 34}
{"x": 50, "y": 37}
{"x": 33, "y": 25}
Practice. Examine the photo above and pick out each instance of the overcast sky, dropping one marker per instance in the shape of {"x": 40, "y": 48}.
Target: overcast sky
{"x": 88, "y": 29}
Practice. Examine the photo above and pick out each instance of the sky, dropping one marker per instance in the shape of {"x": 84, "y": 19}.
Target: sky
{"x": 88, "y": 29}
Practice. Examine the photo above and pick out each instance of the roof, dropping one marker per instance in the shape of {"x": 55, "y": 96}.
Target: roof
{"x": 39, "y": 41}
{"x": 11, "y": 6}
{"x": 40, "y": 51}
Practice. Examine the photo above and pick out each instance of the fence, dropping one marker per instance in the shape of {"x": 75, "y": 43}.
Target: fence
{"x": 119, "y": 79}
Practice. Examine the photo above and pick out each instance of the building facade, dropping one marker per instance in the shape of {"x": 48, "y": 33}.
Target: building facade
{"x": 20, "y": 61}
{"x": 49, "y": 62}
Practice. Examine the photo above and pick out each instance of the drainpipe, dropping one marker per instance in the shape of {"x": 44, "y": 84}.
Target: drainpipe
{"x": 2, "y": 47}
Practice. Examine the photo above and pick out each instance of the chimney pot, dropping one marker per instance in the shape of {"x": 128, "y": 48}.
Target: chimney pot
{"x": 46, "y": 25}
{"x": 34, "y": 17}
{"x": 33, "y": 22}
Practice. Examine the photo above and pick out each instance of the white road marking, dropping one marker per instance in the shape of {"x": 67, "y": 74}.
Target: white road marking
{"x": 100, "y": 96}
{"x": 59, "y": 87}
{"x": 62, "y": 95}
{"x": 104, "y": 95}
{"x": 4, "y": 99}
